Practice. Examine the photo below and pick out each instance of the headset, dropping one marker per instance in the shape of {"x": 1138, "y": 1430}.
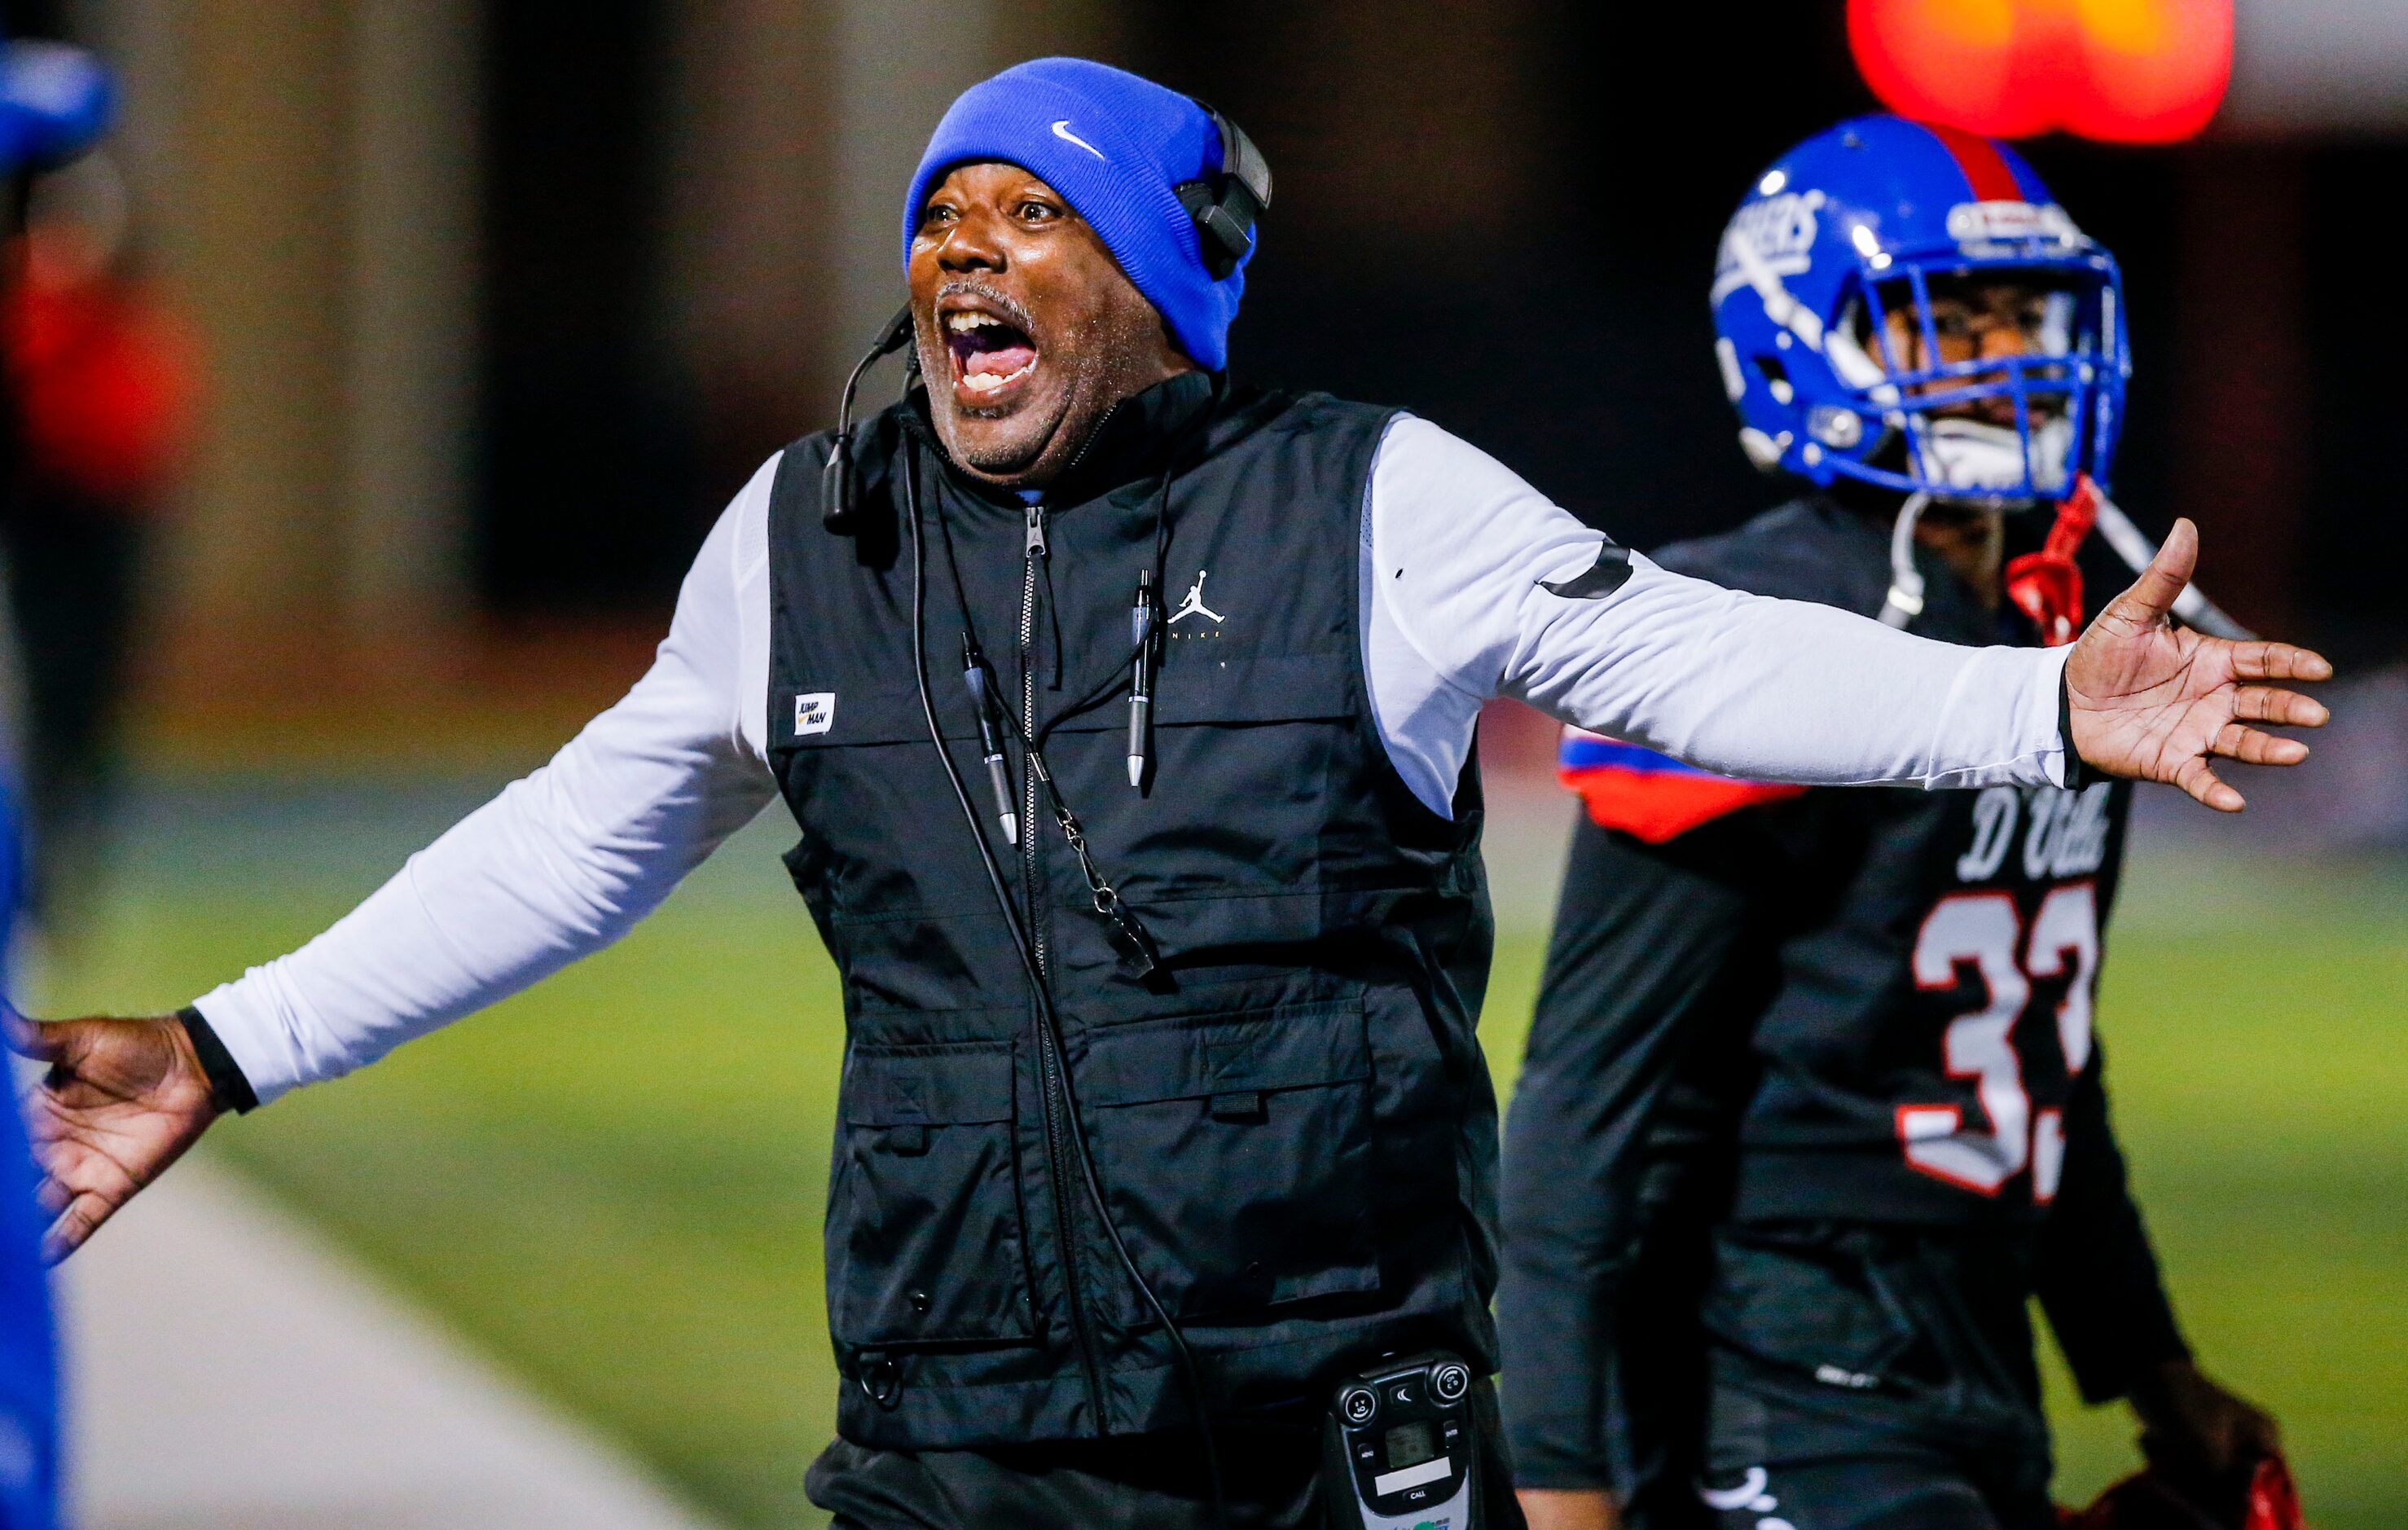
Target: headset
{"x": 837, "y": 480}
{"x": 1225, "y": 205}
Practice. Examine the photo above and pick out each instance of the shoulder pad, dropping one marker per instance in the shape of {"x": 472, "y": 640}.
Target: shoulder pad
{"x": 1648, "y": 795}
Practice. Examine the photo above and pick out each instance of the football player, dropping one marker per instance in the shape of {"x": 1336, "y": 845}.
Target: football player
{"x": 1812, "y": 1105}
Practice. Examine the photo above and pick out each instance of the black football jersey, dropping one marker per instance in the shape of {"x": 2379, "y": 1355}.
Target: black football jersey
{"x": 1924, "y": 963}
{"x": 1773, "y": 1007}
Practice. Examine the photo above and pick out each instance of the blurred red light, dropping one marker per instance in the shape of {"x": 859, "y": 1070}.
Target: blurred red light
{"x": 2129, "y": 71}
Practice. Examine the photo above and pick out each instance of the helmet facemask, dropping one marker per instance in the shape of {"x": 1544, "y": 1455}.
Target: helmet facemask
{"x": 1985, "y": 380}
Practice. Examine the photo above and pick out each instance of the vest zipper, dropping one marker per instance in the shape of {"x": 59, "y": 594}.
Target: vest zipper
{"x": 1050, "y": 1065}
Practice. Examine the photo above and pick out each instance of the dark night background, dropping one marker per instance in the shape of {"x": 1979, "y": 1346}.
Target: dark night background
{"x": 1536, "y": 286}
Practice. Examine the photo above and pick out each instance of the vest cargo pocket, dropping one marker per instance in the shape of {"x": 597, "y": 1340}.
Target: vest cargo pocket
{"x": 1235, "y": 1151}
{"x": 923, "y": 1231}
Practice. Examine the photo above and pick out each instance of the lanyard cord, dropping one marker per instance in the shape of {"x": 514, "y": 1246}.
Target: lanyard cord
{"x": 1184, "y": 1359}
{"x": 1129, "y": 936}
{"x": 1188, "y": 435}
{"x": 1130, "y": 940}
{"x": 1030, "y": 733}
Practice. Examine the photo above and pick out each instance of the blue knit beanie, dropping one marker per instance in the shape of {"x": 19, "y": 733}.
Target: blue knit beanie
{"x": 1114, "y": 146}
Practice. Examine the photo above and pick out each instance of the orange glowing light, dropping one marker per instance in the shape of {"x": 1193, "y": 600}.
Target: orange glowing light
{"x": 2129, "y": 71}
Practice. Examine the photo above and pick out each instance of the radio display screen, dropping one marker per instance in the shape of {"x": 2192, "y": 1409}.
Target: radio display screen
{"x": 1411, "y": 1444}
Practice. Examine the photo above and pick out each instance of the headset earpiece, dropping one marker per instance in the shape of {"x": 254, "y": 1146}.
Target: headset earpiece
{"x": 1226, "y": 206}
{"x": 836, "y": 479}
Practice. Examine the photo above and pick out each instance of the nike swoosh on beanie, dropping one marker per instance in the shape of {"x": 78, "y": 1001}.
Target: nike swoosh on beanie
{"x": 1062, "y": 131}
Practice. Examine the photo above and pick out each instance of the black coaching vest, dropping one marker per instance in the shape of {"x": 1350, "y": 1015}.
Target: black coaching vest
{"x": 1291, "y": 1124}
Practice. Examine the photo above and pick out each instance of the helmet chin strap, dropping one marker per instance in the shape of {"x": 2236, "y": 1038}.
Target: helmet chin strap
{"x": 1971, "y": 456}
{"x": 2046, "y": 585}
{"x": 1905, "y": 600}
{"x": 2133, "y": 546}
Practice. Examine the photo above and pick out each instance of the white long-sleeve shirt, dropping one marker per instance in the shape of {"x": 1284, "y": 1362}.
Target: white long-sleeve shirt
{"x": 1455, "y": 551}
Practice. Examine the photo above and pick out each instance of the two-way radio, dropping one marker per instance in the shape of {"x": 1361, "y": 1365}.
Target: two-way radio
{"x": 1400, "y": 1451}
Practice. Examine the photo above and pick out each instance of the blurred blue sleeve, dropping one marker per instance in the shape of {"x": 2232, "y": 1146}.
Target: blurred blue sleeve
{"x": 54, "y": 101}
{"x": 29, "y": 1386}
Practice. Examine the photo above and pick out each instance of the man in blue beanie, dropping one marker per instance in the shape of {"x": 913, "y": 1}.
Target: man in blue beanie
{"x": 1110, "y": 275}
{"x": 1162, "y": 929}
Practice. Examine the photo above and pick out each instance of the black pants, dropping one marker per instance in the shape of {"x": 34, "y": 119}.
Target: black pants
{"x": 1868, "y": 1375}
{"x": 1271, "y": 1473}
{"x": 1872, "y": 1378}
{"x": 1868, "y": 1492}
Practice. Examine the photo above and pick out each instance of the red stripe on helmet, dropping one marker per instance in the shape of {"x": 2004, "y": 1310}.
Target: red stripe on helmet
{"x": 1985, "y": 169}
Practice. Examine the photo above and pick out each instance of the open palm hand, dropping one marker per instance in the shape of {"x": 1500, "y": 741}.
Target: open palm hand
{"x": 2154, "y": 701}
{"x": 123, "y": 1100}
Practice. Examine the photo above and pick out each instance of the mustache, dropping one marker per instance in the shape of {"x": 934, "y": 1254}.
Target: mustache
{"x": 1008, "y": 306}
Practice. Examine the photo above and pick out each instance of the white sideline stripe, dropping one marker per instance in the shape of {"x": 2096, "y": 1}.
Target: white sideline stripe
{"x": 227, "y": 1368}
{"x": 1412, "y": 1476}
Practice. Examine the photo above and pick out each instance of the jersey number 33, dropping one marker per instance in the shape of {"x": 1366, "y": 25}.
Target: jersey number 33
{"x": 1984, "y": 931}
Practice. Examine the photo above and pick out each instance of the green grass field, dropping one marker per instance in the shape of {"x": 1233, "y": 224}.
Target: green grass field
{"x": 612, "y": 1183}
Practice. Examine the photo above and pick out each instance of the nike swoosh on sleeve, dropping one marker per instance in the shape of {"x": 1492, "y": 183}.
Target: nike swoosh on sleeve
{"x": 1610, "y": 573}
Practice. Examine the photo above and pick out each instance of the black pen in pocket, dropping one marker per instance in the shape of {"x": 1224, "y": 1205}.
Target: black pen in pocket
{"x": 990, "y": 737}
{"x": 1142, "y": 616}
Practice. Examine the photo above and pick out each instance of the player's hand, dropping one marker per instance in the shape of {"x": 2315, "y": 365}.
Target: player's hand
{"x": 2193, "y": 1425}
{"x": 2154, "y": 701}
{"x": 123, "y": 1100}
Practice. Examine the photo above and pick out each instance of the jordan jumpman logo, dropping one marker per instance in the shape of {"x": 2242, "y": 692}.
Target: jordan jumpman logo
{"x": 1194, "y": 604}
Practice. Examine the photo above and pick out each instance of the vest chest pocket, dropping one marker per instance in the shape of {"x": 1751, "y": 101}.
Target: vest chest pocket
{"x": 923, "y": 1231}
{"x": 1237, "y": 1152}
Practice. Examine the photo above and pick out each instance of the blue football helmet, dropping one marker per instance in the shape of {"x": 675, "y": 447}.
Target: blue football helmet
{"x": 55, "y": 102}
{"x": 1854, "y": 229}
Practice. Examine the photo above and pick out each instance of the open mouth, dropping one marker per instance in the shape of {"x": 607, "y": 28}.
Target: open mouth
{"x": 990, "y": 353}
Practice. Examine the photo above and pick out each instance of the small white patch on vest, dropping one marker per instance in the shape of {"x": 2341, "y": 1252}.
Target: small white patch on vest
{"x": 814, "y": 712}
{"x": 1855, "y": 1380}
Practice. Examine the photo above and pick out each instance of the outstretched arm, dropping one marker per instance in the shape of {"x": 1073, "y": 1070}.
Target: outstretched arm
{"x": 1477, "y": 586}
{"x": 559, "y": 866}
